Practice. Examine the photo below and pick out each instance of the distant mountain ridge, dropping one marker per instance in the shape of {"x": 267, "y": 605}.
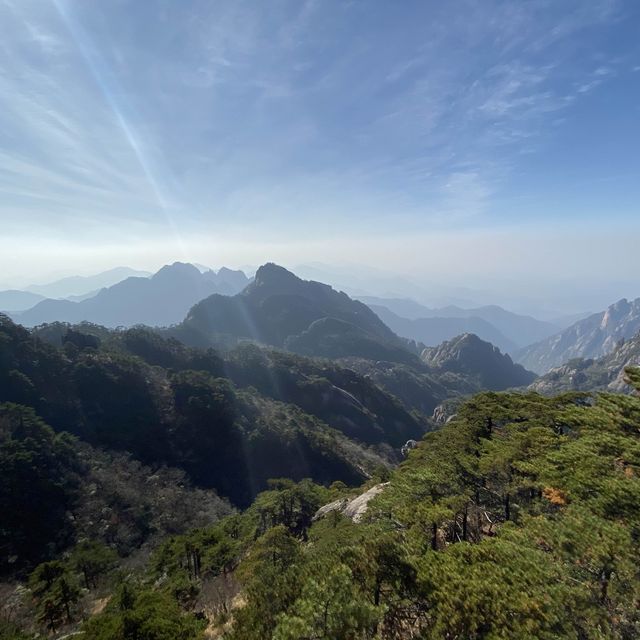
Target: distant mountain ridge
{"x": 592, "y": 337}
{"x": 160, "y": 300}
{"x": 15, "y": 300}
{"x": 304, "y": 316}
{"x": 433, "y": 331}
{"x": 508, "y": 330}
{"x": 81, "y": 285}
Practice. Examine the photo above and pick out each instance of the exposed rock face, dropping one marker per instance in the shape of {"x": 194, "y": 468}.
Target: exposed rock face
{"x": 470, "y": 356}
{"x": 354, "y": 508}
{"x": 593, "y": 337}
{"x": 445, "y": 412}
{"x": 410, "y": 444}
{"x": 605, "y": 373}
{"x": 439, "y": 414}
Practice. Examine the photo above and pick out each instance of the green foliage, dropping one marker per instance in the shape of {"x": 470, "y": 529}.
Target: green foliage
{"x": 347, "y": 401}
{"x": 10, "y": 631}
{"x": 518, "y": 519}
{"x": 165, "y": 404}
{"x": 121, "y": 404}
{"x": 288, "y": 504}
{"x": 93, "y": 560}
{"x": 329, "y": 608}
{"x": 40, "y": 483}
{"x": 496, "y": 589}
{"x": 141, "y": 614}
{"x": 56, "y": 591}
{"x": 633, "y": 377}
{"x": 271, "y": 577}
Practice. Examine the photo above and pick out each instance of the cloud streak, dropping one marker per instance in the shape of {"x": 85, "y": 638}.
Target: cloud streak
{"x": 206, "y": 116}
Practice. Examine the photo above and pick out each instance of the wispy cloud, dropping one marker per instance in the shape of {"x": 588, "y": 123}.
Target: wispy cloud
{"x": 204, "y": 112}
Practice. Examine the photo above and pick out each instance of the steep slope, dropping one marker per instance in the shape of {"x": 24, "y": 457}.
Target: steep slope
{"x": 346, "y": 400}
{"x": 605, "y": 373}
{"x": 433, "y": 331}
{"x": 469, "y": 355}
{"x": 592, "y": 337}
{"x": 515, "y": 520}
{"x": 171, "y": 405}
{"x": 335, "y": 393}
{"x": 419, "y": 389}
{"x": 161, "y": 300}
{"x": 47, "y": 476}
{"x": 282, "y": 310}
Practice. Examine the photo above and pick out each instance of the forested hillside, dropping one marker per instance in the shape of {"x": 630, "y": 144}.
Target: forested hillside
{"x": 517, "y": 519}
{"x": 167, "y": 404}
{"x": 303, "y": 316}
{"x": 394, "y": 414}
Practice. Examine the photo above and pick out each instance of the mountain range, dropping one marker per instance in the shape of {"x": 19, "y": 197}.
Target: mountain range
{"x": 303, "y": 316}
{"x": 588, "y": 374}
{"x": 74, "y": 288}
{"x": 504, "y": 328}
{"x": 279, "y": 309}
{"x": 433, "y": 331}
{"x": 83, "y": 285}
{"x": 160, "y": 300}
{"x": 16, "y": 300}
{"x": 592, "y": 337}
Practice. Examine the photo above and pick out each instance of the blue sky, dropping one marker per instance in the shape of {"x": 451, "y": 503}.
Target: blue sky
{"x": 463, "y": 139}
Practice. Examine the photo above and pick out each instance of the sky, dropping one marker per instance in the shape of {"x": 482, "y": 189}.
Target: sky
{"x": 492, "y": 145}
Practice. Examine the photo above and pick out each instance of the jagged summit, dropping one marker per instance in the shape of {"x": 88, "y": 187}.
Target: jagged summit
{"x": 161, "y": 300}
{"x": 281, "y": 309}
{"x": 271, "y": 273}
{"x": 272, "y": 278}
{"x": 587, "y": 374}
{"x": 593, "y": 337}
{"x": 469, "y": 355}
{"x": 183, "y": 269}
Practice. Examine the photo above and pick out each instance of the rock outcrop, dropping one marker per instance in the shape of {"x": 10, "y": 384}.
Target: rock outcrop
{"x": 587, "y": 374}
{"x": 594, "y": 337}
{"x": 353, "y": 508}
{"x": 469, "y": 356}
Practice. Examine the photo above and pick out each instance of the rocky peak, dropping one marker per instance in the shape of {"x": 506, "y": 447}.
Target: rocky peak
{"x": 467, "y": 354}
{"x": 592, "y": 337}
{"x": 272, "y": 279}
{"x": 177, "y": 270}
{"x": 353, "y": 508}
{"x": 615, "y": 313}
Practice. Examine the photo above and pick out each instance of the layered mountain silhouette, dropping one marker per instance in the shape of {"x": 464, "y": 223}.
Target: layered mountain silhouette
{"x": 15, "y": 300}
{"x": 83, "y": 285}
{"x": 160, "y": 300}
{"x": 507, "y": 330}
{"x": 470, "y": 356}
{"x": 592, "y": 337}
{"x": 433, "y": 331}
{"x": 307, "y": 317}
